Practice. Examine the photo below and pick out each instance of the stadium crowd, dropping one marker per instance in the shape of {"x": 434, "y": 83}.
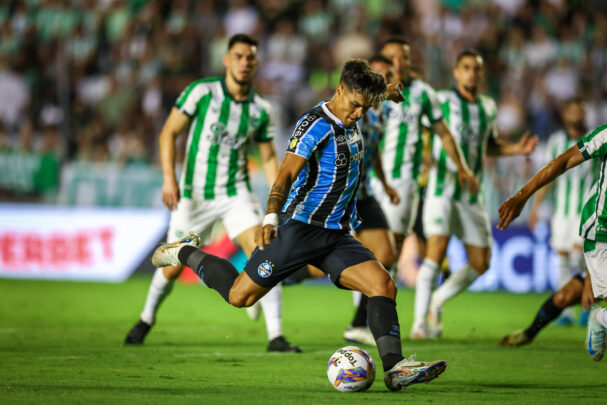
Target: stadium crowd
{"x": 93, "y": 80}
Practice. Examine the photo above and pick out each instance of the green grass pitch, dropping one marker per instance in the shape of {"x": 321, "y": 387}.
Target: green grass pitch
{"x": 60, "y": 342}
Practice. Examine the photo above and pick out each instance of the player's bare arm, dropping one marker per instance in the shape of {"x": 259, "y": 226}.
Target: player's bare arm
{"x": 537, "y": 201}
{"x": 464, "y": 175}
{"x": 379, "y": 172}
{"x": 174, "y": 125}
{"x": 269, "y": 161}
{"x": 514, "y": 205}
{"x": 525, "y": 146}
{"x": 288, "y": 172}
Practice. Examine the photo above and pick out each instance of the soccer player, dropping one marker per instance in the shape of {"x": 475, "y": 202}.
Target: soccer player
{"x": 576, "y": 291}
{"x": 373, "y": 231}
{"x": 310, "y": 211}
{"x": 222, "y": 114}
{"x": 569, "y": 191}
{"x": 592, "y": 228}
{"x": 402, "y": 148}
{"x": 451, "y": 210}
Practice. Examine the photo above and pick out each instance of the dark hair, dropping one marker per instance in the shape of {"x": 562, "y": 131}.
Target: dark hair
{"x": 468, "y": 52}
{"x": 572, "y": 100}
{"x": 380, "y": 58}
{"x": 358, "y": 76}
{"x": 395, "y": 40}
{"x": 241, "y": 38}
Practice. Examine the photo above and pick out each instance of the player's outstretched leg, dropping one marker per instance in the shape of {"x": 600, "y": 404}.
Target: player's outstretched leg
{"x": 597, "y": 332}
{"x": 570, "y": 294}
{"x": 160, "y": 288}
{"x": 372, "y": 280}
{"x": 217, "y": 273}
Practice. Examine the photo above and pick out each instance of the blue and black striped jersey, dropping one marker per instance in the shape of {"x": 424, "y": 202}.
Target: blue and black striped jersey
{"x": 324, "y": 193}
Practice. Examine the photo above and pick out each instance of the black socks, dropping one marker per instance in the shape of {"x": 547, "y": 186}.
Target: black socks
{"x": 217, "y": 273}
{"x": 547, "y": 313}
{"x": 383, "y": 322}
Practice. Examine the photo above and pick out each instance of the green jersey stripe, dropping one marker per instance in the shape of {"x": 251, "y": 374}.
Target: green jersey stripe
{"x": 203, "y": 106}
{"x": 209, "y": 186}
{"x": 442, "y": 160}
{"x": 263, "y": 130}
{"x": 478, "y": 164}
{"x": 402, "y": 138}
{"x": 234, "y": 153}
{"x": 580, "y": 198}
{"x": 465, "y": 112}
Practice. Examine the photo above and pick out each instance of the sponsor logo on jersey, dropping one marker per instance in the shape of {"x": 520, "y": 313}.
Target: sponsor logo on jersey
{"x": 265, "y": 269}
{"x": 293, "y": 144}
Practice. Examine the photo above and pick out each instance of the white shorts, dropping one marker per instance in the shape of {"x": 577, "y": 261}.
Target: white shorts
{"x": 401, "y": 216}
{"x": 596, "y": 262}
{"x": 237, "y": 213}
{"x": 469, "y": 222}
{"x": 564, "y": 233}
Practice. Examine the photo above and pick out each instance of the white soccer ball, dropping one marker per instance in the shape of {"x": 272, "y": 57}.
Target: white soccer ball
{"x": 351, "y": 369}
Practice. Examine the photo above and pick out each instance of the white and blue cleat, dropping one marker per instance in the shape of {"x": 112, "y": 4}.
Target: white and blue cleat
{"x": 167, "y": 254}
{"x": 595, "y": 335}
{"x": 409, "y": 371}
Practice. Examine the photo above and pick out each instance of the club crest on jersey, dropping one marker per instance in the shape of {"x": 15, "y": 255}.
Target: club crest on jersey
{"x": 218, "y": 131}
{"x": 265, "y": 269}
{"x": 467, "y": 133}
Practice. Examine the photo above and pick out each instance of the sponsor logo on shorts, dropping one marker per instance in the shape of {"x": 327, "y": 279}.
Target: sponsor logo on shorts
{"x": 265, "y": 269}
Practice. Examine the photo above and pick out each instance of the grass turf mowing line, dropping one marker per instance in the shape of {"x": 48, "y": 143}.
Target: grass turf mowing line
{"x": 61, "y": 343}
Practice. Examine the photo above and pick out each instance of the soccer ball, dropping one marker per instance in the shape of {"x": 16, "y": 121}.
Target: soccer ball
{"x": 351, "y": 369}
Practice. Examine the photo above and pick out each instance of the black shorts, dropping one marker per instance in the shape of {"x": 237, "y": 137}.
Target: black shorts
{"x": 370, "y": 213}
{"x": 299, "y": 244}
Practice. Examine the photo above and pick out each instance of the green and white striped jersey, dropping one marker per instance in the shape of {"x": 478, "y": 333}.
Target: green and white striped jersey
{"x": 220, "y": 129}
{"x": 471, "y": 125}
{"x": 572, "y": 187}
{"x": 402, "y": 142}
{"x": 593, "y": 225}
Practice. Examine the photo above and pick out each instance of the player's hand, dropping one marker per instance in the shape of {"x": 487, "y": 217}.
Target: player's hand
{"x": 467, "y": 180}
{"x": 587, "y": 295}
{"x": 392, "y": 194}
{"x": 527, "y": 143}
{"x": 394, "y": 92}
{"x": 170, "y": 193}
{"x": 264, "y": 235}
{"x": 510, "y": 210}
{"x": 532, "y": 220}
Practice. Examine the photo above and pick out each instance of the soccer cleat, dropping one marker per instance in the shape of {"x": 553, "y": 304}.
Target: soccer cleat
{"x": 167, "y": 254}
{"x": 280, "y": 344}
{"x": 409, "y": 371}
{"x": 359, "y": 334}
{"x": 595, "y": 335}
{"x": 584, "y": 318}
{"x": 515, "y": 339}
{"x": 254, "y": 311}
{"x": 435, "y": 326}
{"x": 138, "y": 333}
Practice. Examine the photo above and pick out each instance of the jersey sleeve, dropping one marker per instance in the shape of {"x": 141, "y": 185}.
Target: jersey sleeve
{"x": 187, "y": 102}
{"x": 266, "y": 130}
{"x": 431, "y": 105}
{"x": 309, "y": 132}
{"x": 594, "y": 144}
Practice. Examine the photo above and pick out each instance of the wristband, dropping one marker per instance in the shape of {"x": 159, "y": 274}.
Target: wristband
{"x": 270, "y": 219}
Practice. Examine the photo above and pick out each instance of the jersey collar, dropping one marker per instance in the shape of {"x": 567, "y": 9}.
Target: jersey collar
{"x": 333, "y": 118}
{"x": 228, "y": 95}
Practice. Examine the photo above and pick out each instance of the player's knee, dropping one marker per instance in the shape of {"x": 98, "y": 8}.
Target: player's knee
{"x": 564, "y": 298}
{"x": 479, "y": 264}
{"x": 238, "y": 299}
{"x": 384, "y": 288}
